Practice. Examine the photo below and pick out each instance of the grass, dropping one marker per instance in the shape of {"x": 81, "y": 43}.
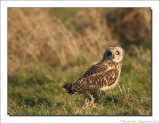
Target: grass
{"x": 37, "y": 90}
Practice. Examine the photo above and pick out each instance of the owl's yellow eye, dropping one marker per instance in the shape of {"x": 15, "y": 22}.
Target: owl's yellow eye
{"x": 109, "y": 53}
{"x": 117, "y": 52}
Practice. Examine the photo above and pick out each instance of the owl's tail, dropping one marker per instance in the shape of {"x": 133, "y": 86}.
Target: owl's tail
{"x": 69, "y": 89}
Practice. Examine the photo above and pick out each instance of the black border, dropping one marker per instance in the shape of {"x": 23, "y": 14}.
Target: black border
{"x": 0, "y": 62}
{"x": 79, "y": 0}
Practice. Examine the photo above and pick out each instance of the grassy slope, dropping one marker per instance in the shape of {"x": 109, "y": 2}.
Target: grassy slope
{"x": 37, "y": 90}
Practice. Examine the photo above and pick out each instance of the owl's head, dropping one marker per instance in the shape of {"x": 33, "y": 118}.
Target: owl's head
{"x": 113, "y": 54}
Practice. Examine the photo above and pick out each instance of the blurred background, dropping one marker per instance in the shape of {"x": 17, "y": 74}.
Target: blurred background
{"x": 48, "y": 47}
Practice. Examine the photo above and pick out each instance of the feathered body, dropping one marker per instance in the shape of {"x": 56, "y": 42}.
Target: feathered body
{"x": 101, "y": 76}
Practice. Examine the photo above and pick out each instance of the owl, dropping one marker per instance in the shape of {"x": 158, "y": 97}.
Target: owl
{"x": 102, "y": 76}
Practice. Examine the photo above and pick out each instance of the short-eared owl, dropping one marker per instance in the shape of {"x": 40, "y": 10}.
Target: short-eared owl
{"x": 101, "y": 76}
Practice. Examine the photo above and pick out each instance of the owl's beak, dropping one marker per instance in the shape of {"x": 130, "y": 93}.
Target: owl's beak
{"x": 113, "y": 58}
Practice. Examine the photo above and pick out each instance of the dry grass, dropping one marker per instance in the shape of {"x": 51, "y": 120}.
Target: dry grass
{"x": 33, "y": 35}
{"x": 130, "y": 25}
{"x": 91, "y": 26}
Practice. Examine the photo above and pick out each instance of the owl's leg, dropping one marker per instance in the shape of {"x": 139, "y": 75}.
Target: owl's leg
{"x": 89, "y": 101}
{"x": 89, "y": 96}
{"x": 95, "y": 95}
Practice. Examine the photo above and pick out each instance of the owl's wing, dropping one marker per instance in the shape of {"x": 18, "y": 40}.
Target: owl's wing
{"x": 111, "y": 76}
{"x": 96, "y": 77}
{"x": 98, "y": 68}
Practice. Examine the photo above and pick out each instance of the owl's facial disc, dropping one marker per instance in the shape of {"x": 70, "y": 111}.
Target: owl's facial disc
{"x": 114, "y": 54}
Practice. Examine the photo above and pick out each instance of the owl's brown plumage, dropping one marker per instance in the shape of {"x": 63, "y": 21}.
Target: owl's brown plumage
{"x": 104, "y": 75}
